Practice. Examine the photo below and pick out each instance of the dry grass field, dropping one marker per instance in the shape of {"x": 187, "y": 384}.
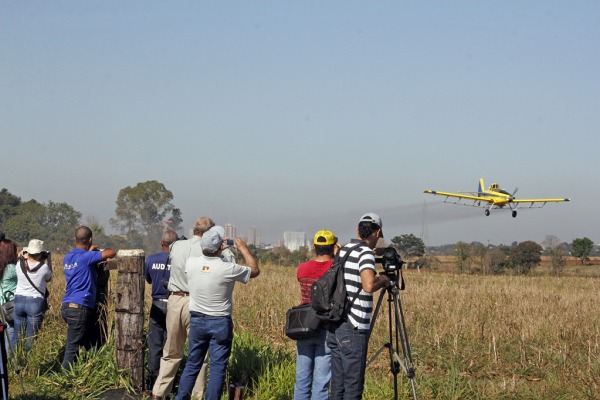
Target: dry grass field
{"x": 472, "y": 337}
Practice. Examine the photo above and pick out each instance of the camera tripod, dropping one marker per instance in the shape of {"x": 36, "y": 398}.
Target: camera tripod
{"x": 398, "y": 336}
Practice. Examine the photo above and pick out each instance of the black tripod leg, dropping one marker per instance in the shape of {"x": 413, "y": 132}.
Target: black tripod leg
{"x": 402, "y": 336}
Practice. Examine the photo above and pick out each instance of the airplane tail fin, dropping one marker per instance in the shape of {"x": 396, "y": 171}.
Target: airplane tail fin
{"x": 481, "y": 187}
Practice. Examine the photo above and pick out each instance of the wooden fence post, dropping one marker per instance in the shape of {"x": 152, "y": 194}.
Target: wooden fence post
{"x": 129, "y": 315}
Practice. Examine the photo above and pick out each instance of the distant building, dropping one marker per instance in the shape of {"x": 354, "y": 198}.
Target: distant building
{"x": 294, "y": 240}
{"x": 230, "y": 231}
{"x": 253, "y": 236}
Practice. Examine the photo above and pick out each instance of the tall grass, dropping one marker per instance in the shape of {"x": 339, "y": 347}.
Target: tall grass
{"x": 476, "y": 337}
{"x": 472, "y": 337}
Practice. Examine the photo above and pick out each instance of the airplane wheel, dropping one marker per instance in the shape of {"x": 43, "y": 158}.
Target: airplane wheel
{"x": 514, "y": 213}
{"x": 487, "y": 213}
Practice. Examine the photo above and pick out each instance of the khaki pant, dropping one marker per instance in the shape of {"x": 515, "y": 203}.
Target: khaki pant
{"x": 178, "y": 326}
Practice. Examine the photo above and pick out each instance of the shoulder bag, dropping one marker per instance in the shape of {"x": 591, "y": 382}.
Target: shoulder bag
{"x": 8, "y": 309}
{"x": 25, "y": 268}
{"x": 301, "y": 322}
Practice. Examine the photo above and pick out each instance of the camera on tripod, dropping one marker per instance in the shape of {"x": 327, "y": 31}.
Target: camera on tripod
{"x": 389, "y": 258}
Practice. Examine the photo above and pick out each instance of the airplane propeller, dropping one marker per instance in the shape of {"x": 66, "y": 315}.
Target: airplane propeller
{"x": 512, "y": 196}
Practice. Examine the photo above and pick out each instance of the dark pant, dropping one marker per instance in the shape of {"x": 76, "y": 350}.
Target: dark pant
{"x": 212, "y": 334}
{"x": 348, "y": 347}
{"x": 80, "y": 324}
{"x": 157, "y": 335}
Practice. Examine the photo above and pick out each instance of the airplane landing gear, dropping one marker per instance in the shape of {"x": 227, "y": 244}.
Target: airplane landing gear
{"x": 514, "y": 213}
{"x": 487, "y": 213}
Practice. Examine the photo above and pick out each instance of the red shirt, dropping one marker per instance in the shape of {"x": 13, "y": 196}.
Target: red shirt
{"x": 308, "y": 273}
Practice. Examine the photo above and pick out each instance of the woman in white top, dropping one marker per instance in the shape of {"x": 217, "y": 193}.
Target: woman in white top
{"x": 34, "y": 270}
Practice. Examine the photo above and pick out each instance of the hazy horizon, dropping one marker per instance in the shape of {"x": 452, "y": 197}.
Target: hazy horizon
{"x": 305, "y": 115}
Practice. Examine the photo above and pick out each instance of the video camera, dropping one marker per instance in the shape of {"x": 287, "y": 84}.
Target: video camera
{"x": 389, "y": 258}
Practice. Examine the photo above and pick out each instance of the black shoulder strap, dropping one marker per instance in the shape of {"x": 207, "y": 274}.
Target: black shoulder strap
{"x": 28, "y": 278}
{"x": 350, "y": 250}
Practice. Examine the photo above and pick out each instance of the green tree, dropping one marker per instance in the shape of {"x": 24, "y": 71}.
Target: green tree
{"x": 582, "y": 248}
{"x": 496, "y": 259}
{"x": 463, "y": 254}
{"x": 142, "y": 207}
{"x": 525, "y": 256}
{"x": 176, "y": 220}
{"x": 556, "y": 251}
{"x": 101, "y": 238}
{"x": 409, "y": 245}
{"x": 299, "y": 256}
{"x": 478, "y": 252}
{"x": 8, "y": 203}
{"x": 60, "y": 221}
{"x": 54, "y": 223}
{"x": 276, "y": 256}
{"x": 26, "y": 224}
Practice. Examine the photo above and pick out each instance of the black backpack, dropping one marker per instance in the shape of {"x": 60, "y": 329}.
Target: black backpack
{"x": 328, "y": 295}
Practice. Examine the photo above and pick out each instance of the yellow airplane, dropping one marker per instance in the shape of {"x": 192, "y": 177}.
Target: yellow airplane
{"x": 494, "y": 197}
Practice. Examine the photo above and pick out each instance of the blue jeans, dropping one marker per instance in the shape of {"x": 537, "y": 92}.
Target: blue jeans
{"x": 313, "y": 368}
{"x": 80, "y": 325}
{"x": 212, "y": 334}
{"x": 348, "y": 360}
{"x": 29, "y": 314}
{"x": 157, "y": 335}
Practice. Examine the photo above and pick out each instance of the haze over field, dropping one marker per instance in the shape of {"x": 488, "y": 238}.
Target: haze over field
{"x": 304, "y": 115}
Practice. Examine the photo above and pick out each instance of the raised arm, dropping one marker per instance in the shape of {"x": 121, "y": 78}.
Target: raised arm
{"x": 248, "y": 257}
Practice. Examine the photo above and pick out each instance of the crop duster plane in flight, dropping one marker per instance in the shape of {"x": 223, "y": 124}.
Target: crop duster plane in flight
{"x": 494, "y": 197}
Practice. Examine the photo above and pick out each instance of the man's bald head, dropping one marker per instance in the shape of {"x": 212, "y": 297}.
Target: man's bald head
{"x": 168, "y": 237}
{"x": 202, "y": 225}
{"x": 83, "y": 234}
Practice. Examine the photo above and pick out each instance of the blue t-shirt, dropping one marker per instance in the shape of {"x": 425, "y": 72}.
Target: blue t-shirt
{"x": 81, "y": 275}
{"x": 157, "y": 273}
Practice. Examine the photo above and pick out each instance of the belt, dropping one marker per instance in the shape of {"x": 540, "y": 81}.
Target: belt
{"x": 165, "y": 300}
{"x": 197, "y": 314}
{"x": 179, "y": 294}
{"x": 75, "y": 305}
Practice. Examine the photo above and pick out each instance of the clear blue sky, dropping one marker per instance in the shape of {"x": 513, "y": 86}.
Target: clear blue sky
{"x": 302, "y": 115}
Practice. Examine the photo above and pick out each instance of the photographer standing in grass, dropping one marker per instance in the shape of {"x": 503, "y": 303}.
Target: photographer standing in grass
{"x": 79, "y": 303}
{"x": 34, "y": 270}
{"x": 178, "y": 312}
{"x": 348, "y": 339}
{"x": 157, "y": 270}
{"x": 8, "y": 281}
{"x": 313, "y": 357}
{"x": 211, "y": 281}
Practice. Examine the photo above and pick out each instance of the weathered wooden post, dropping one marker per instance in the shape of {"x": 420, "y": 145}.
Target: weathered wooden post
{"x": 129, "y": 315}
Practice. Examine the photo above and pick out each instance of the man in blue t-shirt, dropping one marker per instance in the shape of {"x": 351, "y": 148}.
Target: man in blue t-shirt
{"x": 157, "y": 271}
{"x": 78, "y": 305}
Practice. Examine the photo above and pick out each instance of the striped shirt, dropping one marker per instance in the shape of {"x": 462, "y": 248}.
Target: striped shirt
{"x": 360, "y": 259}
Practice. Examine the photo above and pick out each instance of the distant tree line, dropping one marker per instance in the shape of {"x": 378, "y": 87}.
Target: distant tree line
{"x": 143, "y": 211}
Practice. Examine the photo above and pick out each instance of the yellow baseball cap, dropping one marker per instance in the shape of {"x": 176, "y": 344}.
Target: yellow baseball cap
{"x": 324, "y": 238}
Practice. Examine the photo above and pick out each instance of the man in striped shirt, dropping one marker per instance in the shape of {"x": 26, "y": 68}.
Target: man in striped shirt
{"x": 348, "y": 340}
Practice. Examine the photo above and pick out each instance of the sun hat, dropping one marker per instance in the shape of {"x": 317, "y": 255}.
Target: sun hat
{"x": 35, "y": 246}
{"x": 324, "y": 238}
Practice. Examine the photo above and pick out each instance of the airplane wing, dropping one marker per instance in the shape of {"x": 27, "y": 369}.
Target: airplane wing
{"x": 460, "y": 196}
{"x": 532, "y": 201}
